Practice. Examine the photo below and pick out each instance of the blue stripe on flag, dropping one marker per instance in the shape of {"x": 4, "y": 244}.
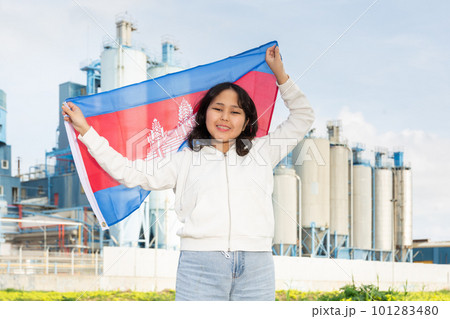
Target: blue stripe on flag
{"x": 117, "y": 203}
{"x": 185, "y": 82}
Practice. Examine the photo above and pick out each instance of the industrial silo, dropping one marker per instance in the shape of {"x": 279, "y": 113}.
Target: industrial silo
{"x": 127, "y": 231}
{"x": 340, "y": 183}
{"x": 286, "y": 204}
{"x": 121, "y": 63}
{"x": 167, "y": 65}
{"x": 362, "y": 201}
{"x": 311, "y": 159}
{"x": 160, "y": 218}
{"x": 402, "y": 206}
{"x": 383, "y": 203}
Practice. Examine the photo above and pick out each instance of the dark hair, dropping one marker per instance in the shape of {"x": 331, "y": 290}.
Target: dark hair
{"x": 243, "y": 141}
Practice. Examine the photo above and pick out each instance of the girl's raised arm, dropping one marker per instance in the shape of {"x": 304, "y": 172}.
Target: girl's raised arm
{"x": 290, "y": 132}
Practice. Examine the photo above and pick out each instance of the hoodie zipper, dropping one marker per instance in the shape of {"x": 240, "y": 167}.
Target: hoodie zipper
{"x": 229, "y": 207}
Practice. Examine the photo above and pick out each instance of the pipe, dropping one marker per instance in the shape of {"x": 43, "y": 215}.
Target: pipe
{"x": 46, "y": 260}
{"x": 48, "y": 180}
{"x": 20, "y": 256}
{"x": 48, "y": 235}
{"x": 92, "y": 238}
{"x": 20, "y": 215}
{"x": 120, "y": 67}
{"x": 373, "y": 208}
{"x": 299, "y": 205}
{"x": 72, "y": 259}
{"x": 79, "y": 239}
{"x": 63, "y": 238}
{"x": 166, "y": 230}
{"x": 350, "y": 156}
{"x": 84, "y": 230}
{"x": 96, "y": 263}
{"x": 395, "y": 188}
{"x": 37, "y": 221}
{"x": 155, "y": 274}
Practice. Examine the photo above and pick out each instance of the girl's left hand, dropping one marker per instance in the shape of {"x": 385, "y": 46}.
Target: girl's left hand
{"x": 273, "y": 59}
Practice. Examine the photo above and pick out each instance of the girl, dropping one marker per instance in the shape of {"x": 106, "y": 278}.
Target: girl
{"x": 226, "y": 204}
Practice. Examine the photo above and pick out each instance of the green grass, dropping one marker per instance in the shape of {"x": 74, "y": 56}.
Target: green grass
{"x": 348, "y": 292}
{"x": 116, "y": 295}
{"x": 363, "y": 293}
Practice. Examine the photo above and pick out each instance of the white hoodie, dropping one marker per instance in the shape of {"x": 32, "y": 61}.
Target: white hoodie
{"x": 225, "y": 200}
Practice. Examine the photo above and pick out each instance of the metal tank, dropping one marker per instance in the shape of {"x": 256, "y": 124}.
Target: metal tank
{"x": 340, "y": 184}
{"x": 161, "y": 70}
{"x": 122, "y": 64}
{"x": 362, "y": 206}
{"x": 311, "y": 160}
{"x": 403, "y": 206}
{"x": 362, "y": 200}
{"x": 127, "y": 231}
{"x": 286, "y": 204}
{"x": 340, "y": 187}
{"x": 339, "y": 191}
{"x": 161, "y": 217}
{"x": 167, "y": 65}
{"x": 383, "y": 203}
{"x": 384, "y": 221}
{"x": 164, "y": 225}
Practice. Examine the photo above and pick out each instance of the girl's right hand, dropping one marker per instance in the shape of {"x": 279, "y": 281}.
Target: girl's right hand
{"x": 273, "y": 60}
{"x": 73, "y": 115}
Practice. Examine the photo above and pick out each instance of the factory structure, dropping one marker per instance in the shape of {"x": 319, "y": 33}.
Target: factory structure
{"x": 346, "y": 207}
{"x": 330, "y": 201}
{"x": 46, "y": 208}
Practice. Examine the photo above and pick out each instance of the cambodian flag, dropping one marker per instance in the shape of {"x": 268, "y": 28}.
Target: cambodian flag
{"x": 153, "y": 118}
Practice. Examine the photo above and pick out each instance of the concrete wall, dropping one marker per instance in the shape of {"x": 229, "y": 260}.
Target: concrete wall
{"x": 331, "y": 274}
{"x": 66, "y": 283}
{"x": 138, "y": 269}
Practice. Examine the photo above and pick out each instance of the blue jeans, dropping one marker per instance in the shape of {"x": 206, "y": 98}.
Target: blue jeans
{"x": 219, "y": 275}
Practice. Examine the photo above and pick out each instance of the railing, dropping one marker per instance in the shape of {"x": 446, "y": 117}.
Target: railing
{"x": 45, "y": 262}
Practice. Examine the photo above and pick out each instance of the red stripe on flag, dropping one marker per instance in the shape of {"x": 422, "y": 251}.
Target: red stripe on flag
{"x": 263, "y": 90}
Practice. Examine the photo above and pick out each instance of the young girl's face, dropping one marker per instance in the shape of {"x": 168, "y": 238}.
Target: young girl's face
{"x": 225, "y": 120}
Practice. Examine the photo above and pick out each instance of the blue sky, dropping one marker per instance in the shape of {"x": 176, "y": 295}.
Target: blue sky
{"x": 387, "y": 78}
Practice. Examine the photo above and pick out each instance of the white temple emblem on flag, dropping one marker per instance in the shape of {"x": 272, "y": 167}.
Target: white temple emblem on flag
{"x": 162, "y": 142}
